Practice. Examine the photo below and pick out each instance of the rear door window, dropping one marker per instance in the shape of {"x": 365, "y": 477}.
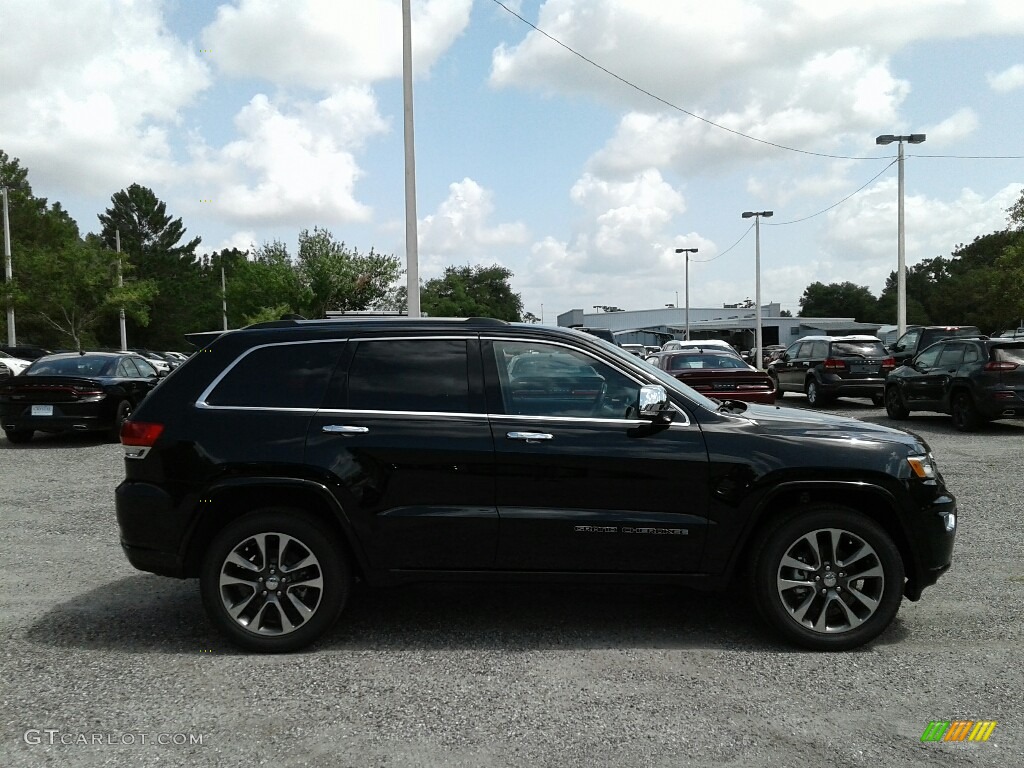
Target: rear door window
{"x": 419, "y": 375}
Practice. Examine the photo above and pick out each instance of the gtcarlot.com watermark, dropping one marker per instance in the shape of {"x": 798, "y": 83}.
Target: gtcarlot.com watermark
{"x": 55, "y": 736}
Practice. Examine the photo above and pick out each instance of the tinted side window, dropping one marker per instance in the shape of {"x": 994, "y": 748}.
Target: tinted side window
{"x": 424, "y": 375}
{"x": 127, "y": 369}
{"x": 951, "y": 356}
{"x": 819, "y": 350}
{"x": 279, "y": 376}
{"x": 928, "y": 358}
{"x": 145, "y": 369}
{"x": 539, "y": 379}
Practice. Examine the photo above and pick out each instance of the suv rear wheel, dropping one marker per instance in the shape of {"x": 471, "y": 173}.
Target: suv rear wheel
{"x": 274, "y": 580}
{"x": 828, "y": 578}
{"x": 965, "y": 414}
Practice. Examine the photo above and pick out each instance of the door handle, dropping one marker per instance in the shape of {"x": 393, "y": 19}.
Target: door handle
{"x": 530, "y": 437}
{"x": 344, "y": 429}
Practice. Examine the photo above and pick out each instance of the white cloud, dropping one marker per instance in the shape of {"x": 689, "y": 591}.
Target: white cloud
{"x": 954, "y": 128}
{"x": 461, "y": 227}
{"x": 292, "y": 162}
{"x": 92, "y": 91}
{"x": 326, "y": 43}
{"x": 1007, "y": 80}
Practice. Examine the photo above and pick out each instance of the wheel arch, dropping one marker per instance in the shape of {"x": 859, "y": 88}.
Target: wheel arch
{"x": 231, "y": 500}
{"x": 788, "y": 500}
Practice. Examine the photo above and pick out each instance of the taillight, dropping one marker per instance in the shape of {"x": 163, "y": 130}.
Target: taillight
{"x": 832, "y": 364}
{"x": 140, "y": 433}
{"x": 999, "y": 365}
{"x": 889, "y": 362}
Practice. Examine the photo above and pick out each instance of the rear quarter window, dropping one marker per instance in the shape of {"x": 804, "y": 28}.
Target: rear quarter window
{"x": 290, "y": 375}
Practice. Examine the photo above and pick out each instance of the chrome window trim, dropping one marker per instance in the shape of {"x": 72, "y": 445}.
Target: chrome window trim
{"x": 202, "y": 404}
{"x": 201, "y": 400}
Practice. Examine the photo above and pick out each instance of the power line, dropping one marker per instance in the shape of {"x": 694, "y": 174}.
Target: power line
{"x": 712, "y": 123}
{"x": 834, "y": 205}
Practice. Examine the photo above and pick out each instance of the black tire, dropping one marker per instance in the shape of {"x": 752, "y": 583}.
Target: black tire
{"x": 19, "y": 436}
{"x": 894, "y": 407}
{"x": 818, "y": 607}
{"x": 264, "y": 623}
{"x": 124, "y": 410}
{"x": 778, "y": 390}
{"x": 877, "y": 400}
{"x": 814, "y": 396}
{"x": 965, "y": 414}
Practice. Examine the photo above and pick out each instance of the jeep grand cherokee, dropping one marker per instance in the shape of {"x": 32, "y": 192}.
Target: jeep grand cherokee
{"x": 288, "y": 458}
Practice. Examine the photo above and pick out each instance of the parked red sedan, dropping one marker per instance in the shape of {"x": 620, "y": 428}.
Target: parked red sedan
{"x": 719, "y": 374}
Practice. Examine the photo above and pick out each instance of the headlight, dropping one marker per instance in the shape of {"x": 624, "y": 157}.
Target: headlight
{"x": 922, "y": 467}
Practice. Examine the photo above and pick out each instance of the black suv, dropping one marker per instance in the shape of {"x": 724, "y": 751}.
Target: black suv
{"x": 826, "y": 367}
{"x": 286, "y": 459}
{"x": 974, "y": 380}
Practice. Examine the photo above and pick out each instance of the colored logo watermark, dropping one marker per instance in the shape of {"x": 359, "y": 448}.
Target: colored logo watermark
{"x": 958, "y": 730}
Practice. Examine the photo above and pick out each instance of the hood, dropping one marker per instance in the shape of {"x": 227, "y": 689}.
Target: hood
{"x": 798, "y": 422}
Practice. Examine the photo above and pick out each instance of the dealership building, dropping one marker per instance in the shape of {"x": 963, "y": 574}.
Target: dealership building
{"x": 734, "y": 324}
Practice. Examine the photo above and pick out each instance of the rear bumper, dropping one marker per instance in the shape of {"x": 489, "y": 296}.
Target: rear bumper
{"x": 852, "y": 388}
{"x": 152, "y": 531}
{"x": 64, "y": 423}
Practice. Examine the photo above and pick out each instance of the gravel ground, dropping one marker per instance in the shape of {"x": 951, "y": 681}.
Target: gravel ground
{"x": 107, "y": 666}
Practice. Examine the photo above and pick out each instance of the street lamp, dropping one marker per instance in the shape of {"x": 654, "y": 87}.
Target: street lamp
{"x": 759, "y": 361}
{"x": 687, "y": 251}
{"x": 901, "y": 271}
{"x": 8, "y": 274}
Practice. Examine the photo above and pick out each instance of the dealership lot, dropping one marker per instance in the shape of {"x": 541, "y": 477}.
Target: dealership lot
{"x": 104, "y": 665}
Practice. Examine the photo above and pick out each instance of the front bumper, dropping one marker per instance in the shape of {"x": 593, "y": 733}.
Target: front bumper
{"x": 934, "y": 544}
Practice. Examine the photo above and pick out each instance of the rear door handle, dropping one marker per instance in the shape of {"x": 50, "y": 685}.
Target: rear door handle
{"x": 530, "y": 437}
{"x": 344, "y": 429}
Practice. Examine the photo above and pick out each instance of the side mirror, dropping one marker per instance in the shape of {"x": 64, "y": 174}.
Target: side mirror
{"x": 654, "y": 404}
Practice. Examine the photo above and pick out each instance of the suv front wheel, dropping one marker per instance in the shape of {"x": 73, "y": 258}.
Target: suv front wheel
{"x": 828, "y": 578}
{"x": 814, "y": 395}
{"x": 274, "y": 580}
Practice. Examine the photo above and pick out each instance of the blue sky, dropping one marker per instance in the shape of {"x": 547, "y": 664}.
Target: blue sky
{"x": 287, "y": 114}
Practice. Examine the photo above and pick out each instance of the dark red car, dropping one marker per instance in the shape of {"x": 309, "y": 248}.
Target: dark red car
{"x": 719, "y": 374}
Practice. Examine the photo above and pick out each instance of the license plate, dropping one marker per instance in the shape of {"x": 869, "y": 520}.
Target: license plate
{"x": 864, "y": 368}
{"x": 42, "y": 410}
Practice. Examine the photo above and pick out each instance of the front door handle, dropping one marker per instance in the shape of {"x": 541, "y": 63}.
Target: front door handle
{"x": 344, "y": 429}
{"x": 530, "y": 437}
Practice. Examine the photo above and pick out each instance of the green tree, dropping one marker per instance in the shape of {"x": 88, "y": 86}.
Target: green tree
{"x": 1016, "y": 214}
{"x": 839, "y": 300}
{"x": 335, "y": 278}
{"x": 63, "y": 287}
{"x": 71, "y": 288}
{"x": 263, "y": 287}
{"x": 151, "y": 241}
{"x": 472, "y": 292}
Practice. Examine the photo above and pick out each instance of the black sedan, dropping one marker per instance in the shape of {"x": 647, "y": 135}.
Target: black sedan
{"x": 82, "y": 392}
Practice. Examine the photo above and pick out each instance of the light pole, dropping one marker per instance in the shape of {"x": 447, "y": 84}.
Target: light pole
{"x": 8, "y": 275}
{"x": 901, "y": 270}
{"x": 120, "y": 284}
{"x": 758, "y": 361}
{"x": 687, "y": 251}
